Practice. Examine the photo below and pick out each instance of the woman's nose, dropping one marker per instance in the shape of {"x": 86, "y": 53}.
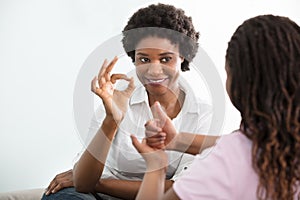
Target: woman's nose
{"x": 155, "y": 69}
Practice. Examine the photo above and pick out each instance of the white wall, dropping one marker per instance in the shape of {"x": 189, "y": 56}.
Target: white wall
{"x": 42, "y": 47}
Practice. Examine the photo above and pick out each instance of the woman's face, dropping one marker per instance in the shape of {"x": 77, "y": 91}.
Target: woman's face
{"x": 158, "y": 63}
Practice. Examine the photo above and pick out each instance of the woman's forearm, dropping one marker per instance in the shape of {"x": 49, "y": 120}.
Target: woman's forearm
{"x": 89, "y": 168}
{"x": 192, "y": 143}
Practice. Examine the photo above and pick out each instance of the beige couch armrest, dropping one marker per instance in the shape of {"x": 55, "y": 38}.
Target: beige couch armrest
{"x": 34, "y": 194}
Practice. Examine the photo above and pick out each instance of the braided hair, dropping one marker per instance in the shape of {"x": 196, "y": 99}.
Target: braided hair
{"x": 263, "y": 63}
{"x": 170, "y": 22}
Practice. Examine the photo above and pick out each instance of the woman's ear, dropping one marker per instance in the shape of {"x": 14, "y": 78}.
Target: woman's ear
{"x": 182, "y": 59}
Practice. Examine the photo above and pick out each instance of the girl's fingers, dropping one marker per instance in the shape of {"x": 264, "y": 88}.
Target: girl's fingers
{"x": 157, "y": 141}
{"x": 155, "y": 138}
{"x": 154, "y": 133}
{"x": 150, "y": 134}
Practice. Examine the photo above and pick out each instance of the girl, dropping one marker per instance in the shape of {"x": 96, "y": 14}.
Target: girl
{"x": 261, "y": 159}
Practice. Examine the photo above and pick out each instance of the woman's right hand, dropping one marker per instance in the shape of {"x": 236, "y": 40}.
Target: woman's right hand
{"x": 60, "y": 181}
{"x": 115, "y": 101}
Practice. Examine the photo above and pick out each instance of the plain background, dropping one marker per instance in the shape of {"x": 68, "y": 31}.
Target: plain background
{"x": 43, "y": 45}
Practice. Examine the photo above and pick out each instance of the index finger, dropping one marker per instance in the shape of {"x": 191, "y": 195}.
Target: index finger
{"x": 159, "y": 114}
{"x": 102, "y": 69}
{"x": 112, "y": 64}
{"x": 109, "y": 68}
{"x": 106, "y": 68}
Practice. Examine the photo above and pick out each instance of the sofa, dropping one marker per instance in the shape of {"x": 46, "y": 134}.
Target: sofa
{"x": 33, "y": 194}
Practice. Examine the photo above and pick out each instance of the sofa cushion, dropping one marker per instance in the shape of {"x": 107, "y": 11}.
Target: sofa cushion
{"x": 33, "y": 194}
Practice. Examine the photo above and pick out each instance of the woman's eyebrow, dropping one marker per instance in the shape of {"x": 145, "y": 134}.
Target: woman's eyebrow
{"x": 166, "y": 53}
{"x": 141, "y": 54}
{"x": 161, "y": 54}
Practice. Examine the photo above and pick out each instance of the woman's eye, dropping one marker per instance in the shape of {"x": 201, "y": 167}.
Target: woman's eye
{"x": 144, "y": 60}
{"x": 165, "y": 59}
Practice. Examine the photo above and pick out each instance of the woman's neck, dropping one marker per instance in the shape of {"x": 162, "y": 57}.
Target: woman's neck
{"x": 171, "y": 102}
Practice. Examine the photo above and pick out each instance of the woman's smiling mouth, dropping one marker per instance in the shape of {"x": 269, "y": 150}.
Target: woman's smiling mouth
{"x": 155, "y": 81}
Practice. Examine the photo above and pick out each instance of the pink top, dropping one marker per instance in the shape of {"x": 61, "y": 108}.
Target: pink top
{"x": 226, "y": 173}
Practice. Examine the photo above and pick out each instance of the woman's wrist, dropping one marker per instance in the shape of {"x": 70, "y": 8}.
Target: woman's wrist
{"x": 109, "y": 127}
{"x": 191, "y": 143}
{"x": 109, "y": 121}
{"x": 181, "y": 142}
{"x": 110, "y": 117}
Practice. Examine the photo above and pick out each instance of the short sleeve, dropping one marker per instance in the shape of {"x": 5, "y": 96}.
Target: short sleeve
{"x": 205, "y": 178}
{"x": 222, "y": 174}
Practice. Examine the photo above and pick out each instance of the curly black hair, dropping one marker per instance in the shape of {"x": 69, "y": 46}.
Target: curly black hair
{"x": 164, "y": 21}
{"x": 263, "y": 62}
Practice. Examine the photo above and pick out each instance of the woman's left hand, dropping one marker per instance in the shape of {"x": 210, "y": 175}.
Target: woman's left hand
{"x": 115, "y": 101}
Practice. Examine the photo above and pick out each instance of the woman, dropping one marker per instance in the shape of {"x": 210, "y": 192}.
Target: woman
{"x": 161, "y": 41}
{"x": 261, "y": 159}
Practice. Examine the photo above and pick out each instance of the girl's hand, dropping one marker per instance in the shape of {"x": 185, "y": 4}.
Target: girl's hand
{"x": 156, "y": 159}
{"x": 160, "y": 132}
{"x": 115, "y": 101}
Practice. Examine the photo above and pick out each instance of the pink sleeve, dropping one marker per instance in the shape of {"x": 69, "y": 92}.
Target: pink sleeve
{"x": 204, "y": 179}
{"x": 222, "y": 174}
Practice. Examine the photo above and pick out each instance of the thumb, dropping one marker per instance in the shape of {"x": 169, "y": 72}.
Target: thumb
{"x": 131, "y": 85}
{"x": 158, "y": 113}
{"x": 136, "y": 143}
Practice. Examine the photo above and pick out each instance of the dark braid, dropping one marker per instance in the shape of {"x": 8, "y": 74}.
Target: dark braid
{"x": 170, "y": 22}
{"x": 263, "y": 61}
